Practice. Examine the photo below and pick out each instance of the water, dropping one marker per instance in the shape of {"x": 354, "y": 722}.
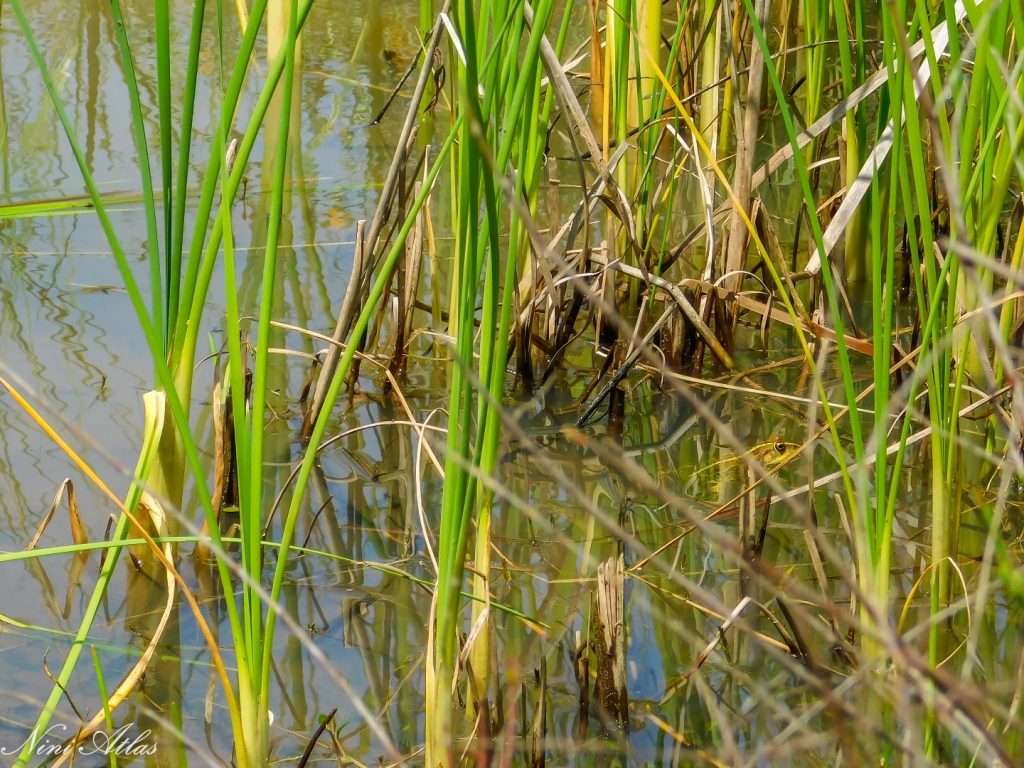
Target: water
{"x": 69, "y": 340}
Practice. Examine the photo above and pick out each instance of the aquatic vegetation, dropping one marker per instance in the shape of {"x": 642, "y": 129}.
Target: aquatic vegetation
{"x": 170, "y": 322}
{"x": 718, "y": 308}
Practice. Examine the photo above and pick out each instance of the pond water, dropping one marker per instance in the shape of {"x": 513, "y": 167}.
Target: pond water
{"x": 69, "y": 339}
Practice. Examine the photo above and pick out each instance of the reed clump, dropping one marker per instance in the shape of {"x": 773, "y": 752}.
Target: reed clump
{"x": 794, "y": 229}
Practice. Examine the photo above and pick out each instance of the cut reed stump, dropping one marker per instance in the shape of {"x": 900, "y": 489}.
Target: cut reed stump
{"x": 608, "y": 640}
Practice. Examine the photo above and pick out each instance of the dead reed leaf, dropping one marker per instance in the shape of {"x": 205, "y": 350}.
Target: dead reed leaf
{"x": 78, "y": 534}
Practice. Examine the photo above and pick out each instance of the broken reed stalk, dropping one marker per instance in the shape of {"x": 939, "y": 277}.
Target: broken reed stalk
{"x": 608, "y": 640}
{"x": 349, "y": 304}
{"x": 364, "y": 262}
{"x": 736, "y": 244}
{"x": 408, "y": 282}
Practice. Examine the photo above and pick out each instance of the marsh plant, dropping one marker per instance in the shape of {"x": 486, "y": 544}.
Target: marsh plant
{"x": 656, "y": 202}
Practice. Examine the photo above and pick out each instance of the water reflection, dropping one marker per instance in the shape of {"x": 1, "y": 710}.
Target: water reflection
{"x": 374, "y": 498}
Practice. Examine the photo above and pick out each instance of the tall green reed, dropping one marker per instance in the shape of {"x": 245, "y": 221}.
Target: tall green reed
{"x": 171, "y": 318}
{"x": 498, "y": 87}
